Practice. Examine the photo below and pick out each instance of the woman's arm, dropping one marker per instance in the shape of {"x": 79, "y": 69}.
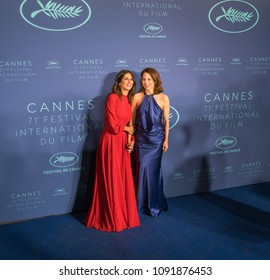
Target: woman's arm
{"x": 114, "y": 125}
{"x": 166, "y": 113}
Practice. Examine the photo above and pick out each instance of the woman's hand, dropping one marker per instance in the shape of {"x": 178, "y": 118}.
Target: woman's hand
{"x": 129, "y": 129}
{"x": 130, "y": 146}
{"x": 165, "y": 146}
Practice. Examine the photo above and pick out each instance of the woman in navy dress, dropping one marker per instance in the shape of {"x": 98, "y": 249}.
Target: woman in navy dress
{"x": 151, "y": 108}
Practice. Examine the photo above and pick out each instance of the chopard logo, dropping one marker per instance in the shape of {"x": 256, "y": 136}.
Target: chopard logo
{"x": 236, "y": 60}
{"x": 182, "y": 60}
{"x": 121, "y": 61}
{"x": 233, "y": 16}
{"x": 64, "y": 159}
{"x": 53, "y": 64}
{"x": 226, "y": 142}
{"x": 54, "y": 16}
{"x": 152, "y": 28}
{"x": 60, "y": 191}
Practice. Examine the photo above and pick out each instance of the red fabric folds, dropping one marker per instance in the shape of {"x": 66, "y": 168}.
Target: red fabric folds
{"x": 113, "y": 206}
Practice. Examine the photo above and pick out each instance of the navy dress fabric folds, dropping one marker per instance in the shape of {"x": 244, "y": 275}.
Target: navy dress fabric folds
{"x": 149, "y": 139}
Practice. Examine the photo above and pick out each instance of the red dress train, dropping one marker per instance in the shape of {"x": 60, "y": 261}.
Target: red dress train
{"x": 113, "y": 206}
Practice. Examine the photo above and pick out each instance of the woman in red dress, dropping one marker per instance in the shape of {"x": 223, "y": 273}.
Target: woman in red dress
{"x": 113, "y": 206}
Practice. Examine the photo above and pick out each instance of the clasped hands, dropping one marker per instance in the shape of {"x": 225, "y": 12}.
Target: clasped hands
{"x": 130, "y": 146}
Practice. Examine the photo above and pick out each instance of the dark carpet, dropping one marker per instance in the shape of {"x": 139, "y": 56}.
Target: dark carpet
{"x": 231, "y": 224}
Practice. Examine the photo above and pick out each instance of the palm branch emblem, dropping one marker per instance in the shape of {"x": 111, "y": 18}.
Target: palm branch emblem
{"x": 55, "y": 10}
{"x": 234, "y": 15}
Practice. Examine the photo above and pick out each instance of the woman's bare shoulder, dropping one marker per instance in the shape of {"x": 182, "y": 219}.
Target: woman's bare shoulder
{"x": 138, "y": 96}
{"x": 164, "y": 96}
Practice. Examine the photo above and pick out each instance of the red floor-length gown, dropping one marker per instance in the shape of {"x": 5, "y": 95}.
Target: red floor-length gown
{"x": 113, "y": 206}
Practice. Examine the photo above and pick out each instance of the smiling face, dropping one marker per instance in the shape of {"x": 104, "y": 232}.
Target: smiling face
{"x": 148, "y": 83}
{"x": 126, "y": 83}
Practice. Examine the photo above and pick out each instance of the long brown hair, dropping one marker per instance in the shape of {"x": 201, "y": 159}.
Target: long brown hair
{"x": 116, "y": 87}
{"x": 158, "y": 88}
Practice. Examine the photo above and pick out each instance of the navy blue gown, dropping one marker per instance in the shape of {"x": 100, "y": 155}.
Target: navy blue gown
{"x": 149, "y": 139}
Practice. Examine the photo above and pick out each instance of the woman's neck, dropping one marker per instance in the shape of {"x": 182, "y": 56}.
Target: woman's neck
{"x": 125, "y": 92}
{"x": 148, "y": 92}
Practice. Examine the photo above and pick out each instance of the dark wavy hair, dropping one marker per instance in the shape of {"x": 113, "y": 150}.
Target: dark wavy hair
{"x": 116, "y": 87}
{"x": 158, "y": 88}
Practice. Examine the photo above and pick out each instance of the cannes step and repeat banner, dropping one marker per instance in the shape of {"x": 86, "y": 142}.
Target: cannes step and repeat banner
{"x": 58, "y": 61}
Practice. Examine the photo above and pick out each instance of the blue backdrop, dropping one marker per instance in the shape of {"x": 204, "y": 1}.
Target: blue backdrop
{"x": 58, "y": 61}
